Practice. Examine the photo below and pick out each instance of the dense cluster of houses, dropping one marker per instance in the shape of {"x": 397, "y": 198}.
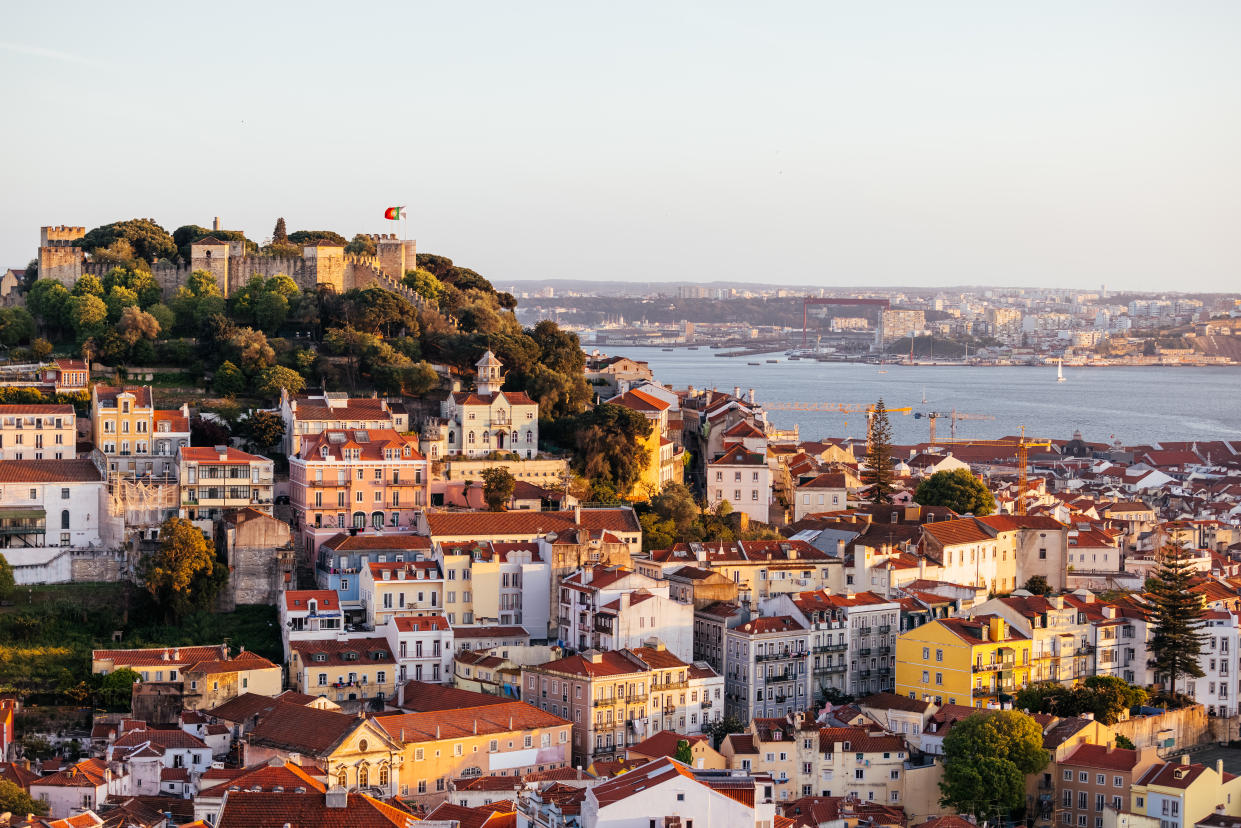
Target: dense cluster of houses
{"x": 541, "y": 666}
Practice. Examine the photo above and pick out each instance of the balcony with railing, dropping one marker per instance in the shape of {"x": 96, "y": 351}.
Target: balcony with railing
{"x": 1005, "y": 664}
{"x": 783, "y": 654}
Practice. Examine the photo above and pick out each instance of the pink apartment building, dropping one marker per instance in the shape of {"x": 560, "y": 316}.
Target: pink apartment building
{"x": 356, "y": 478}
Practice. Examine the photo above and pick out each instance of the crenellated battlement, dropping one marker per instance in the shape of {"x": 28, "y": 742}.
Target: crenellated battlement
{"x": 324, "y": 264}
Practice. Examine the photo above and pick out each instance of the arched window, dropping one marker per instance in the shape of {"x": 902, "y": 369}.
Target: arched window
{"x": 377, "y": 519}
{"x": 364, "y": 776}
{"x": 529, "y": 436}
{"x": 342, "y": 778}
{"x": 452, "y": 437}
{"x": 514, "y": 438}
{"x": 383, "y": 776}
{"x": 64, "y": 519}
{"x": 471, "y": 437}
{"x": 486, "y": 436}
{"x": 359, "y": 520}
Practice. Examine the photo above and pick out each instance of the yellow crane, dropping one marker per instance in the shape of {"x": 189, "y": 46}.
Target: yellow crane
{"x": 953, "y": 416}
{"x": 837, "y": 408}
{"x": 1023, "y": 446}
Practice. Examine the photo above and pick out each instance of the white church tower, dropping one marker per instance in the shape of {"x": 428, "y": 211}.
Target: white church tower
{"x": 488, "y": 375}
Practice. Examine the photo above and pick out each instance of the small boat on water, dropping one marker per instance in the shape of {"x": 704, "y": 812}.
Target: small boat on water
{"x": 773, "y": 360}
{"x": 1060, "y": 370}
{"x": 754, "y": 363}
{"x": 667, "y": 349}
{"x": 883, "y": 370}
{"x": 692, "y": 348}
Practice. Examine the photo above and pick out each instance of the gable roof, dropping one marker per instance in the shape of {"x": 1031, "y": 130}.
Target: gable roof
{"x": 267, "y": 809}
{"x": 50, "y": 471}
{"x": 307, "y": 730}
{"x": 485, "y": 525}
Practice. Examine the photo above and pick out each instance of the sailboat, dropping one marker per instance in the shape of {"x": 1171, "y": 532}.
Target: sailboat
{"x": 1060, "y": 370}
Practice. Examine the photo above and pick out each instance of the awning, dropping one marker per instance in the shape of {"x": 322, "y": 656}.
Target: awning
{"x": 20, "y": 512}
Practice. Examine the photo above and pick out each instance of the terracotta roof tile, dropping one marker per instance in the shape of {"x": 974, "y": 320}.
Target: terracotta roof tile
{"x": 49, "y": 471}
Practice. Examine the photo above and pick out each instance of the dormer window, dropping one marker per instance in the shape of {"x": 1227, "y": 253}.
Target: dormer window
{"x": 323, "y": 452}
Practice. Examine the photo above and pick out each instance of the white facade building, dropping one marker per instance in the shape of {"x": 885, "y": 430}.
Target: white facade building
{"x": 667, "y": 792}
{"x": 423, "y": 648}
{"x": 50, "y": 509}
{"x": 743, "y": 479}
{"x": 613, "y": 608}
{"x": 488, "y": 419}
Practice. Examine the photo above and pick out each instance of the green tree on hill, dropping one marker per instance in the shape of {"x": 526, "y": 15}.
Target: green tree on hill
{"x": 183, "y": 575}
{"x": 309, "y": 237}
{"x": 1178, "y": 611}
{"x": 986, "y": 759}
{"x": 878, "y": 474}
{"x": 958, "y": 490}
{"x": 15, "y": 800}
{"x": 498, "y": 487}
{"x": 606, "y": 442}
{"x": 229, "y": 380}
{"x": 7, "y": 583}
{"x": 17, "y": 326}
{"x": 362, "y": 245}
{"x": 116, "y": 689}
{"x": 147, "y": 239}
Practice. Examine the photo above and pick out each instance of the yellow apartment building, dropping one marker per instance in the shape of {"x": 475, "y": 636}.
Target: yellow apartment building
{"x": 487, "y": 736}
{"x": 970, "y": 662}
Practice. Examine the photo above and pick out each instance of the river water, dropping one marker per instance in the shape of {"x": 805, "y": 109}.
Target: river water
{"x": 1139, "y": 404}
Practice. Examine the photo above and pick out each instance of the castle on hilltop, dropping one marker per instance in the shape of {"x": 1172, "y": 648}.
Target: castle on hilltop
{"x": 321, "y": 263}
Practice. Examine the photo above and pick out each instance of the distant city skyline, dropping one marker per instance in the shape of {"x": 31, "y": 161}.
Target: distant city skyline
{"x": 822, "y": 145}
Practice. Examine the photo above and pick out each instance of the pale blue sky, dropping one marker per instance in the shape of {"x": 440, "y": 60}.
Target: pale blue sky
{"x": 919, "y": 143}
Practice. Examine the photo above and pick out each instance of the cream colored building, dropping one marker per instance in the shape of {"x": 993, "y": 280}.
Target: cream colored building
{"x": 214, "y": 480}
{"x": 38, "y": 432}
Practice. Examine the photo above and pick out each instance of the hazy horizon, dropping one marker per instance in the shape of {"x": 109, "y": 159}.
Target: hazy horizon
{"x": 900, "y": 144}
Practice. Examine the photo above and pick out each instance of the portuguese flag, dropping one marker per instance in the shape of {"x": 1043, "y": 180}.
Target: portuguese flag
{"x": 393, "y": 213}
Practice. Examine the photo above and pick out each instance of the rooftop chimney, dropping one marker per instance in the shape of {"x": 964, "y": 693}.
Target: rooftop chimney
{"x": 337, "y": 798}
{"x": 577, "y": 514}
{"x": 1184, "y": 758}
{"x": 997, "y": 629}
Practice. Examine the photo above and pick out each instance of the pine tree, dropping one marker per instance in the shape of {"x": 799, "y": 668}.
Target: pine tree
{"x": 878, "y": 473}
{"x": 1178, "y": 611}
{"x": 280, "y": 235}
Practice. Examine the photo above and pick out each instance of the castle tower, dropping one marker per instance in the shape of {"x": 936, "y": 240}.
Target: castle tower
{"x": 58, "y": 258}
{"x": 488, "y": 373}
{"x": 211, "y": 254}
{"x": 391, "y": 254}
{"x": 327, "y": 261}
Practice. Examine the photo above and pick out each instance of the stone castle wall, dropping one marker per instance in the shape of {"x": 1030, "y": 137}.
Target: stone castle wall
{"x": 98, "y": 566}
{"x": 59, "y": 260}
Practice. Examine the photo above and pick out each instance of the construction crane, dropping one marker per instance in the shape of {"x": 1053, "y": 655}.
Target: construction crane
{"x": 1023, "y": 446}
{"x": 953, "y": 416}
{"x": 838, "y": 408}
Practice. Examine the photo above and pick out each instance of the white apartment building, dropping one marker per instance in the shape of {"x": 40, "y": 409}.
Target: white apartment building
{"x": 1219, "y": 661}
{"x": 743, "y": 478}
{"x": 868, "y": 621}
{"x": 48, "y": 510}
{"x": 309, "y": 614}
{"x": 613, "y": 608}
{"x": 392, "y": 589}
{"x": 423, "y": 647}
{"x": 506, "y": 583}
